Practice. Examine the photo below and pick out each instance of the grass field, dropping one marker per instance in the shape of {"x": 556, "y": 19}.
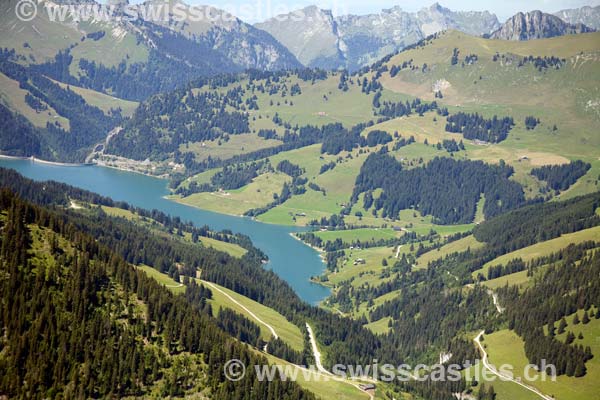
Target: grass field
{"x": 429, "y": 127}
{"x": 14, "y": 97}
{"x": 201, "y": 178}
{"x": 487, "y": 81}
{"x": 379, "y": 327}
{"x": 319, "y": 104}
{"x": 322, "y": 387}
{"x": 45, "y": 38}
{"x": 456, "y": 246}
{"x": 523, "y": 159}
{"x": 370, "y": 271}
{"x": 543, "y": 248}
{"x": 236, "y": 145}
{"x": 111, "y": 50}
{"x": 287, "y": 331}
{"x": 121, "y": 213}
{"x": 558, "y": 97}
{"x": 229, "y": 248}
{"x": 518, "y": 279}
{"x": 505, "y": 390}
{"x": 163, "y": 279}
{"x": 422, "y": 225}
{"x": 337, "y": 183}
{"x": 257, "y": 194}
{"x": 505, "y": 347}
{"x": 495, "y": 93}
{"x": 362, "y": 234}
{"x": 103, "y": 101}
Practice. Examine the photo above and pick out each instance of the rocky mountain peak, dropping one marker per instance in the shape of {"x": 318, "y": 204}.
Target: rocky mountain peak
{"x": 589, "y": 16}
{"x": 536, "y": 25}
{"x": 351, "y": 41}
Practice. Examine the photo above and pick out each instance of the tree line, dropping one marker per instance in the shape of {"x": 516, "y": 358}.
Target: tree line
{"x": 73, "y": 309}
{"x": 445, "y": 188}
{"x": 348, "y": 341}
{"x": 563, "y": 289}
{"x": 87, "y": 124}
{"x": 561, "y": 177}
{"x": 476, "y": 127}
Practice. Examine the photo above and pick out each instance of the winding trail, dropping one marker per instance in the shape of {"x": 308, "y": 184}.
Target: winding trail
{"x": 398, "y": 251}
{"x": 214, "y": 287}
{"x": 496, "y": 303}
{"x": 493, "y": 370}
{"x": 316, "y": 353}
{"x": 322, "y": 370}
{"x": 174, "y": 286}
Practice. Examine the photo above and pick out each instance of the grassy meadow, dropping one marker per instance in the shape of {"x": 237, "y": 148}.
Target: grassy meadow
{"x": 505, "y": 347}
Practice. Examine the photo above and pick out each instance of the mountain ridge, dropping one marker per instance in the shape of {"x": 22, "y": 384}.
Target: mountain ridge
{"x": 587, "y": 15}
{"x": 537, "y": 25}
{"x": 352, "y": 41}
{"x": 200, "y": 48}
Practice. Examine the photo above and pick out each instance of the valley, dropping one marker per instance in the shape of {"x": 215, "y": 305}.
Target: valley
{"x": 403, "y": 188}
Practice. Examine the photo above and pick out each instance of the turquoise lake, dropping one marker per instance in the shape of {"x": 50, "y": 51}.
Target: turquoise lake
{"x": 289, "y": 258}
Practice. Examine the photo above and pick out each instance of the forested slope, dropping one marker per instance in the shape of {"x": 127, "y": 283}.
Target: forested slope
{"x": 101, "y": 328}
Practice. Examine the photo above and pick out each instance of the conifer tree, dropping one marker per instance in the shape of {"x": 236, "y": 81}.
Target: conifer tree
{"x": 586, "y": 318}
{"x": 562, "y": 325}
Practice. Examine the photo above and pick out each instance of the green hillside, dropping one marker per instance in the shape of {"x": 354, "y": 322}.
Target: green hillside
{"x": 261, "y": 304}
{"x": 566, "y": 130}
{"x": 450, "y": 189}
{"x": 59, "y": 286}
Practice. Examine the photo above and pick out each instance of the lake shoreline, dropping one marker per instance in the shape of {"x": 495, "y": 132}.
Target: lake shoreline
{"x": 178, "y": 200}
{"x": 151, "y": 193}
{"x": 45, "y": 162}
{"x": 133, "y": 171}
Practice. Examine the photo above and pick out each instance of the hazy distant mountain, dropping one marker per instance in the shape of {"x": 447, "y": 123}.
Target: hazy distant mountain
{"x": 240, "y": 43}
{"x": 589, "y": 16}
{"x": 311, "y": 35}
{"x": 318, "y": 39}
{"x": 437, "y": 18}
{"x": 537, "y": 25}
{"x": 187, "y": 49}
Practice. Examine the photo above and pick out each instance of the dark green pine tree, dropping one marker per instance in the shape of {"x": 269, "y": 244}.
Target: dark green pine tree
{"x": 482, "y": 392}
{"x": 580, "y": 369}
{"x": 551, "y": 329}
{"x": 586, "y": 318}
{"x": 562, "y": 325}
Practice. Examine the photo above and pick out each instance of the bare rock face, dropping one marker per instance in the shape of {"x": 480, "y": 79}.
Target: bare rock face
{"x": 318, "y": 39}
{"x": 311, "y": 34}
{"x": 536, "y": 25}
{"x": 589, "y": 16}
{"x": 437, "y": 18}
{"x": 239, "y": 43}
